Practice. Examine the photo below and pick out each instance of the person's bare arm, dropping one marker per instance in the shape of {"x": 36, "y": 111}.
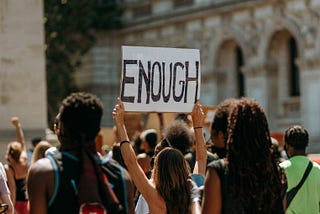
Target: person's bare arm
{"x": 20, "y": 138}
{"x": 40, "y": 182}
{"x": 201, "y": 151}
{"x": 19, "y": 132}
{"x": 212, "y": 199}
{"x": 142, "y": 183}
{"x": 11, "y": 183}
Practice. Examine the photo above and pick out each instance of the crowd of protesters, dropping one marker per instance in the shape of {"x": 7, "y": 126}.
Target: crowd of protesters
{"x": 174, "y": 171}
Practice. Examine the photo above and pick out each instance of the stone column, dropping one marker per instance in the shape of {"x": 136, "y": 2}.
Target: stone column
{"x": 22, "y": 68}
{"x": 261, "y": 84}
{"x": 310, "y": 102}
{"x": 256, "y": 84}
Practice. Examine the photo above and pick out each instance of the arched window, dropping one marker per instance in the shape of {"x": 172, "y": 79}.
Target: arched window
{"x": 241, "y": 83}
{"x": 229, "y": 61}
{"x": 294, "y": 83}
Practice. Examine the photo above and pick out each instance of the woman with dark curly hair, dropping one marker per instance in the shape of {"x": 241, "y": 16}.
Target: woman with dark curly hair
{"x": 248, "y": 180}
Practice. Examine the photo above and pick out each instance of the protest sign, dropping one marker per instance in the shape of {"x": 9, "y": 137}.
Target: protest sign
{"x": 156, "y": 79}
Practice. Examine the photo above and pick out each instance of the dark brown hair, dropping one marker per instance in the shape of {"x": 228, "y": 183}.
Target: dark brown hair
{"x": 297, "y": 137}
{"x": 253, "y": 176}
{"x": 170, "y": 175}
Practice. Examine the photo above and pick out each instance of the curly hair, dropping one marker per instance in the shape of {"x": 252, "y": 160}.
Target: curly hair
{"x": 179, "y": 135}
{"x": 253, "y": 176}
{"x": 220, "y": 120}
{"x": 170, "y": 176}
{"x": 81, "y": 114}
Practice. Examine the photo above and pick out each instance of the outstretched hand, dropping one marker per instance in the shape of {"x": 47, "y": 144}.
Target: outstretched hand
{"x": 118, "y": 113}
{"x": 197, "y": 115}
{"x": 15, "y": 121}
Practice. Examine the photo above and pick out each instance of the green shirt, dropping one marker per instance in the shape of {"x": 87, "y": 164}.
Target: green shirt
{"x": 307, "y": 199}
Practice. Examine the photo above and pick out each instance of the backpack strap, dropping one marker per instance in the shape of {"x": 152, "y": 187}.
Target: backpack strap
{"x": 117, "y": 179}
{"x": 56, "y": 179}
{"x": 294, "y": 190}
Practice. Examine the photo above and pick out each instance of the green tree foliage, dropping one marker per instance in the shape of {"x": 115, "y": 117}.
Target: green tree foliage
{"x": 69, "y": 33}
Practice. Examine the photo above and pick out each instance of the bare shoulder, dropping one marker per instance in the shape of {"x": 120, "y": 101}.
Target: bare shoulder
{"x": 41, "y": 177}
{"x": 41, "y": 167}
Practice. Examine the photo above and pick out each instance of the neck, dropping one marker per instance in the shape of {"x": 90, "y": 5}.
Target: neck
{"x": 74, "y": 144}
{"x": 298, "y": 153}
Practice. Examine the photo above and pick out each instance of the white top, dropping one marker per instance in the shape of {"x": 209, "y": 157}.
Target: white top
{"x": 142, "y": 206}
{"x": 3, "y": 181}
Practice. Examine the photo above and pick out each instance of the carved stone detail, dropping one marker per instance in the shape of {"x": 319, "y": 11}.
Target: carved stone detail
{"x": 308, "y": 64}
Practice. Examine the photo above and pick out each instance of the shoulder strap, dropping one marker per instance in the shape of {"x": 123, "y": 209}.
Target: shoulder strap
{"x": 14, "y": 172}
{"x": 293, "y": 191}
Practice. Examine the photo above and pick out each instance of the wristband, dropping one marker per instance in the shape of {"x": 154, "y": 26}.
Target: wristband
{"x": 124, "y": 141}
{"x": 197, "y": 127}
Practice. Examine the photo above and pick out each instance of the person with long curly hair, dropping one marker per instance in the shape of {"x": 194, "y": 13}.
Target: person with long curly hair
{"x": 170, "y": 188}
{"x": 248, "y": 179}
{"x": 219, "y": 126}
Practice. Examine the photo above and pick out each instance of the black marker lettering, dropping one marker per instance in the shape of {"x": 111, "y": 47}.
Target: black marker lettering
{"x": 166, "y": 97}
{"x": 188, "y": 79}
{"x": 146, "y": 78}
{"x": 156, "y": 97}
{"x": 127, "y": 80}
{"x": 177, "y": 98}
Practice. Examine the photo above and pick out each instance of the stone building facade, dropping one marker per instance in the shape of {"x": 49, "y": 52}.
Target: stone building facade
{"x": 265, "y": 49}
{"x": 22, "y": 68}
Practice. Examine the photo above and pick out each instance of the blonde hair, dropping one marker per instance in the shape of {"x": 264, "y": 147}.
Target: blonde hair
{"x": 14, "y": 151}
{"x": 39, "y": 150}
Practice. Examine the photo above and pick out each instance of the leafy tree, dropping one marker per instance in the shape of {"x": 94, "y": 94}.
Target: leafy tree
{"x": 69, "y": 33}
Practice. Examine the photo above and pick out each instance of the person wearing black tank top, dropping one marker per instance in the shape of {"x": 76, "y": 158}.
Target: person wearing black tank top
{"x": 17, "y": 169}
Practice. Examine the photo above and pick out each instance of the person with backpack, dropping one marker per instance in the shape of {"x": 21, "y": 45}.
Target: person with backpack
{"x": 76, "y": 179}
{"x": 303, "y": 175}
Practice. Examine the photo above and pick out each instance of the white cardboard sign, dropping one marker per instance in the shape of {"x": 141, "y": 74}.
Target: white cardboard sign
{"x": 156, "y": 79}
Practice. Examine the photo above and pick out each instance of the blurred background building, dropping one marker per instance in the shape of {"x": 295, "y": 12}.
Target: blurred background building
{"x": 22, "y": 70}
{"x": 22, "y": 67}
{"x": 265, "y": 49}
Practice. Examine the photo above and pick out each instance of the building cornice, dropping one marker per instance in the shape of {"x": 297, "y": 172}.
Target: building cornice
{"x": 308, "y": 64}
{"x": 188, "y": 13}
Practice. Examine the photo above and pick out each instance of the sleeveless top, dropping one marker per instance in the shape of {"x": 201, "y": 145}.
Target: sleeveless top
{"x": 230, "y": 204}
{"x": 21, "y": 187}
{"x": 67, "y": 169}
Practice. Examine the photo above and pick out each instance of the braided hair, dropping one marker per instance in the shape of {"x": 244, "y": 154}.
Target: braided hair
{"x": 253, "y": 176}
